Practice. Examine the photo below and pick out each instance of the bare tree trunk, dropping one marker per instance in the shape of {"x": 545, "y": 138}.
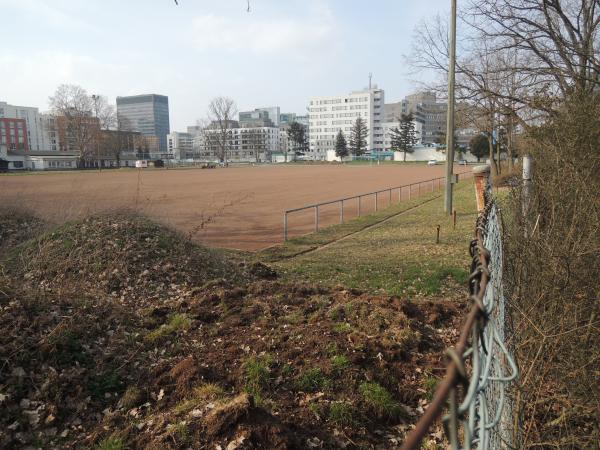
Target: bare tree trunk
{"x": 510, "y": 148}
{"x": 498, "y": 148}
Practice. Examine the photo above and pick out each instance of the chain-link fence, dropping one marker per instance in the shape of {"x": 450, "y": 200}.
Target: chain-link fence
{"x": 476, "y": 388}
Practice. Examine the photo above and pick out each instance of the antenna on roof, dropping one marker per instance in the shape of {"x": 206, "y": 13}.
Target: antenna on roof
{"x": 370, "y": 78}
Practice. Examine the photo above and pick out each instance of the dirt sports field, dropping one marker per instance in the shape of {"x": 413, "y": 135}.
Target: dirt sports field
{"x": 238, "y": 207}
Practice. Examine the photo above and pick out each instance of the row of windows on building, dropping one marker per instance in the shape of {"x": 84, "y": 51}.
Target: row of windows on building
{"x": 22, "y": 111}
{"x": 57, "y": 164}
{"x": 341, "y": 108}
{"x": 336, "y": 101}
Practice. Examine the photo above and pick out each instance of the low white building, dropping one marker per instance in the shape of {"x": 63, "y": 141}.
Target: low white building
{"x": 432, "y": 153}
{"x": 41, "y": 160}
{"x": 52, "y": 160}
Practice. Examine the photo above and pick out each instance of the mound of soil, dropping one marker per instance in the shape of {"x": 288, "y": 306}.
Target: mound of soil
{"x": 267, "y": 365}
{"x": 126, "y": 256}
{"x": 16, "y": 227}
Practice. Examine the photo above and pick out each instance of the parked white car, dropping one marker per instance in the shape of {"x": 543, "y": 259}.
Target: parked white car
{"x": 432, "y": 162}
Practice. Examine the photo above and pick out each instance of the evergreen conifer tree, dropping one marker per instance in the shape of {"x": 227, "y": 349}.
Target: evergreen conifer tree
{"x": 358, "y": 137}
{"x": 341, "y": 147}
{"x": 404, "y": 137}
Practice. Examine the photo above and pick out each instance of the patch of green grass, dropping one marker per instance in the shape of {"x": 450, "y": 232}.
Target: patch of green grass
{"x": 209, "y": 391}
{"x": 313, "y": 380}
{"x": 339, "y": 363}
{"x": 202, "y": 394}
{"x": 301, "y": 244}
{"x": 287, "y": 370}
{"x": 430, "y": 385}
{"x": 258, "y": 376}
{"x": 337, "y": 313}
{"x": 185, "y": 406}
{"x": 379, "y": 400}
{"x": 342, "y": 327}
{"x": 131, "y": 397}
{"x": 341, "y": 414}
{"x": 112, "y": 443}
{"x": 104, "y": 383}
{"x": 348, "y": 309}
{"x": 294, "y": 318}
{"x": 69, "y": 349}
{"x": 179, "y": 431}
{"x": 177, "y": 323}
{"x": 398, "y": 257}
{"x": 316, "y": 409}
{"x": 331, "y": 349}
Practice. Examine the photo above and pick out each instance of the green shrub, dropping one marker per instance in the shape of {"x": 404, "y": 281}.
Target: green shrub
{"x": 258, "y": 374}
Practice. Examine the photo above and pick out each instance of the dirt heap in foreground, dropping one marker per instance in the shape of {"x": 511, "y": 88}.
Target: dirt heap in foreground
{"x": 129, "y": 257}
{"x": 232, "y": 363}
{"x": 17, "y": 226}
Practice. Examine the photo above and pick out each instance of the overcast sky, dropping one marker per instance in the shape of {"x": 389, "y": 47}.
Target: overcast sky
{"x": 281, "y": 53}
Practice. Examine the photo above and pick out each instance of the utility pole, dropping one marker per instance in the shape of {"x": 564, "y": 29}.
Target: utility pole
{"x": 450, "y": 120}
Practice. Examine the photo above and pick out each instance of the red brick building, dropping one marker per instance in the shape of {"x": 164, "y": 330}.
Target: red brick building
{"x": 13, "y": 134}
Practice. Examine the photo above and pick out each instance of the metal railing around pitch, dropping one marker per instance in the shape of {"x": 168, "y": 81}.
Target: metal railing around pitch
{"x": 476, "y": 388}
{"x": 414, "y": 190}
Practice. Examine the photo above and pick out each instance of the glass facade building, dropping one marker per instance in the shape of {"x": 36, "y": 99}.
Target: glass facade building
{"x": 146, "y": 114}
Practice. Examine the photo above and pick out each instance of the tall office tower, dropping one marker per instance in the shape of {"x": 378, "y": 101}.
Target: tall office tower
{"x": 147, "y": 114}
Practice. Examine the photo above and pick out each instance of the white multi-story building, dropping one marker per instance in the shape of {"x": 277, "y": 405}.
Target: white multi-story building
{"x": 329, "y": 115}
{"x": 180, "y": 145}
{"x": 244, "y": 144}
{"x": 41, "y": 133}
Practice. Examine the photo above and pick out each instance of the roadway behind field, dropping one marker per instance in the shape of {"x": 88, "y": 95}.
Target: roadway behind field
{"x": 237, "y": 207}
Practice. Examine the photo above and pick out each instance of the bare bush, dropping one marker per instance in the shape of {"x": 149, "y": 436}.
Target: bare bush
{"x": 553, "y": 254}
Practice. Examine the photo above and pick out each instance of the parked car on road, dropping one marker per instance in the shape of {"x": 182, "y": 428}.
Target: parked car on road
{"x": 432, "y": 162}
{"x": 462, "y": 162}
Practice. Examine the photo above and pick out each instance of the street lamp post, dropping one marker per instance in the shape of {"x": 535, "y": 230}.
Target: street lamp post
{"x": 450, "y": 120}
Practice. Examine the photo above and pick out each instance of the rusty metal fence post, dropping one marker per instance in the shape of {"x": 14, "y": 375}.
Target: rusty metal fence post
{"x": 482, "y": 175}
